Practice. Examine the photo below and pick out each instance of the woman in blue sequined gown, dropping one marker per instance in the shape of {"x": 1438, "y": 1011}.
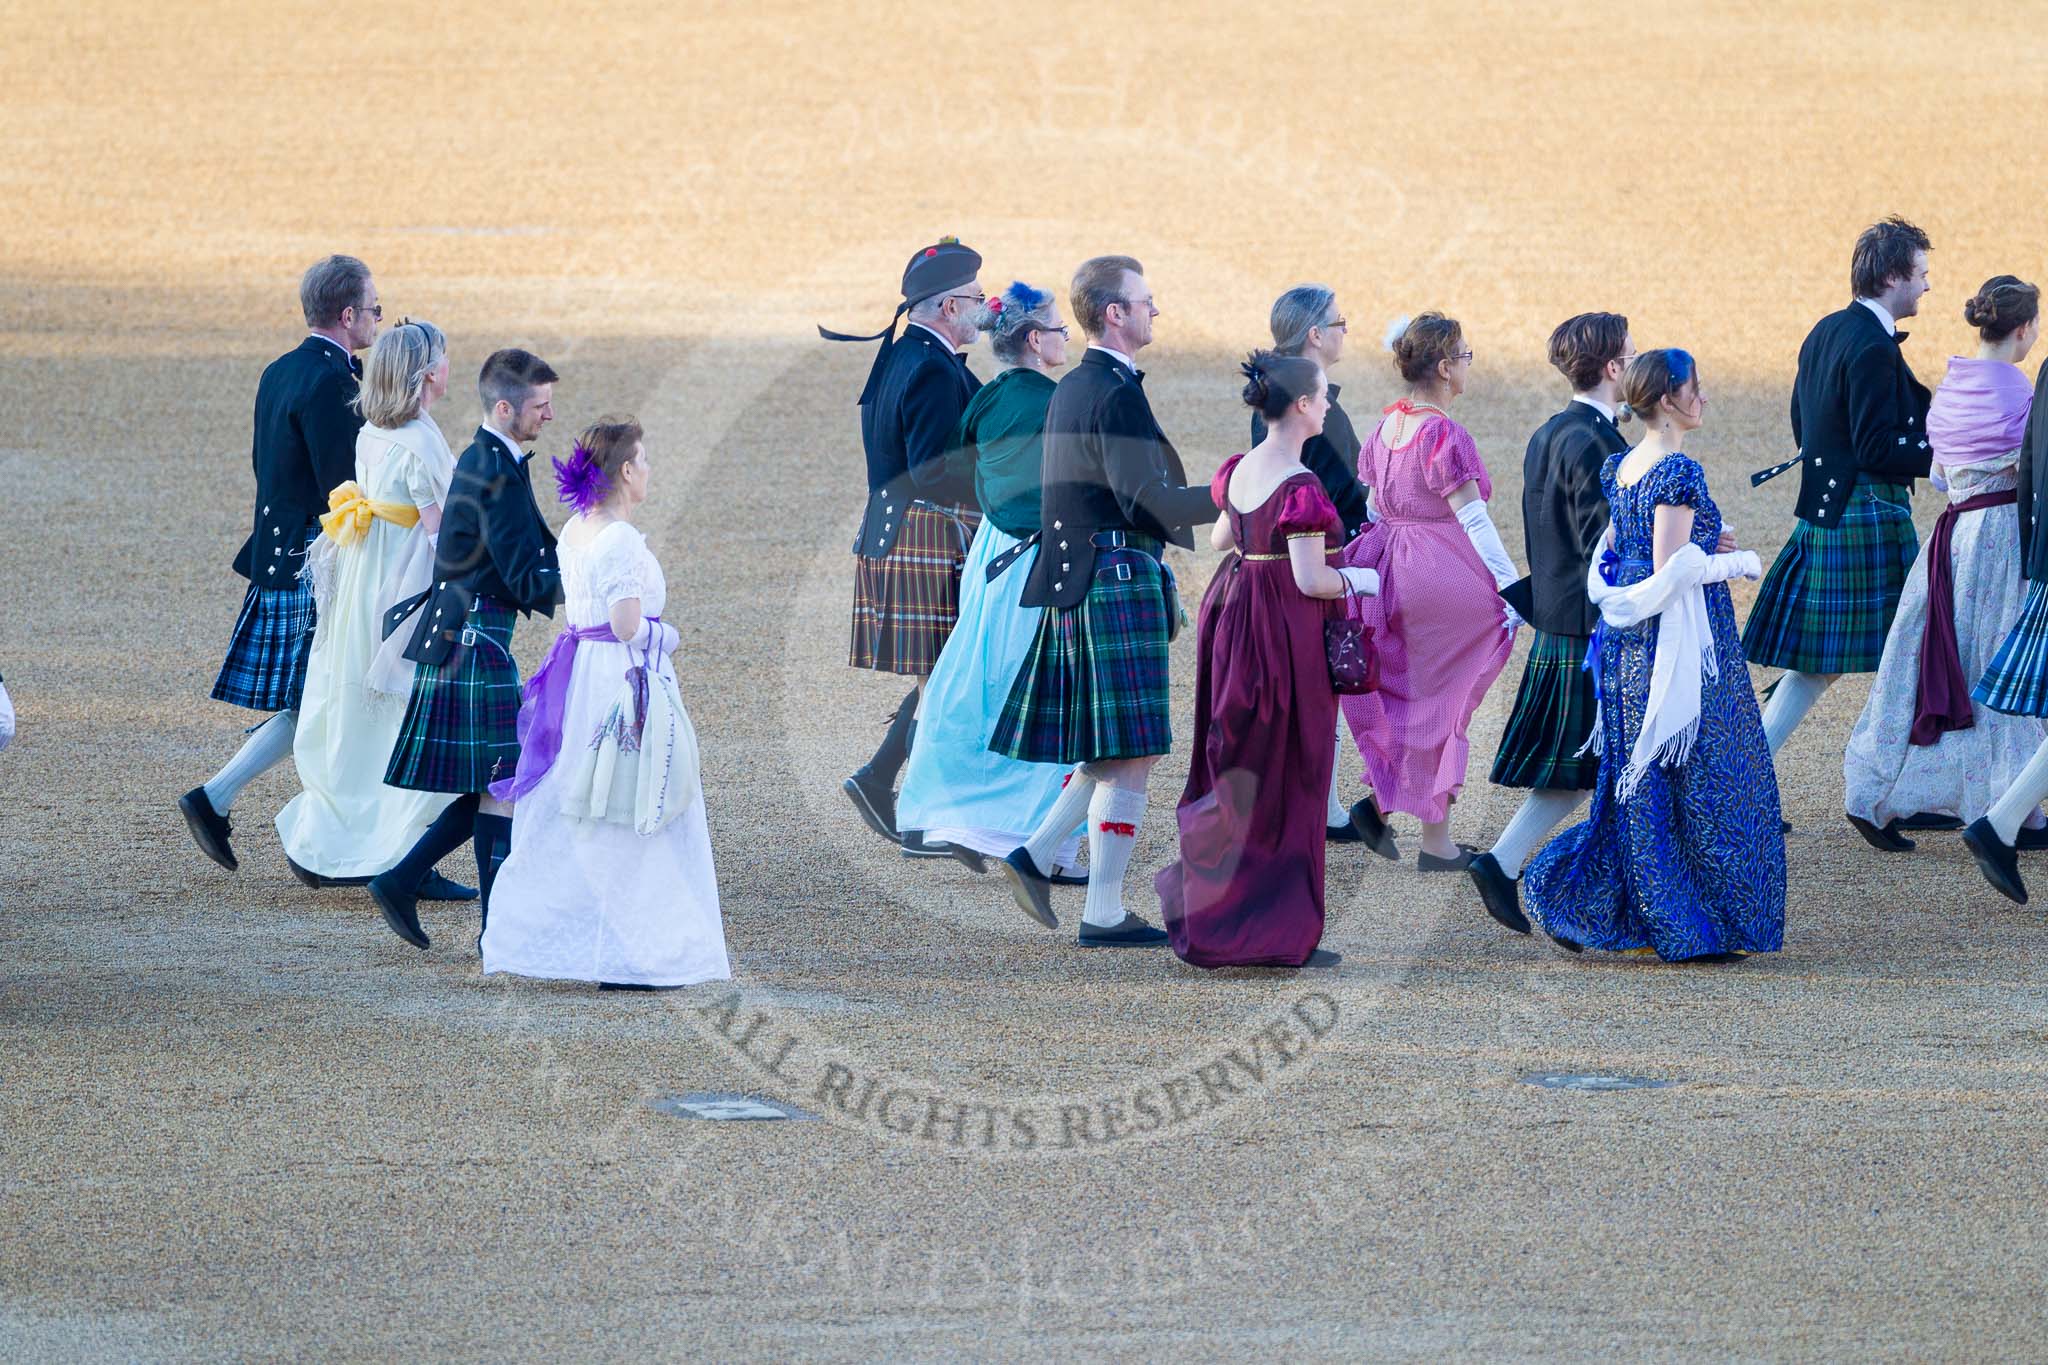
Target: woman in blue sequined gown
{"x": 1692, "y": 863}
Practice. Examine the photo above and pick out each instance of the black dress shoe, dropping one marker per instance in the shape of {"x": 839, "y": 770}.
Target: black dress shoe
{"x": 1499, "y": 892}
{"x": 1784, "y": 827}
{"x": 209, "y": 827}
{"x": 1457, "y": 862}
{"x": 1346, "y": 833}
{"x": 1563, "y": 944}
{"x": 305, "y": 877}
{"x": 1372, "y": 828}
{"x": 1718, "y": 957}
{"x": 915, "y": 845}
{"x": 632, "y": 986}
{"x": 435, "y": 887}
{"x": 400, "y": 909}
{"x": 1131, "y": 932}
{"x": 1886, "y": 840}
{"x": 2031, "y": 838}
{"x": 875, "y": 803}
{"x": 1029, "y": 887}
{"x": 1061, "y": 877}
{"x": 1323, "y": 957}
{"x": 1996, "y": 860}
{"x": 1928, "y": 820}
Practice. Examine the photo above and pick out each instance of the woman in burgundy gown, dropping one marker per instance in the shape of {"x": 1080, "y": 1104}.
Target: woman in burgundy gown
{"x": 1247, "y": 889}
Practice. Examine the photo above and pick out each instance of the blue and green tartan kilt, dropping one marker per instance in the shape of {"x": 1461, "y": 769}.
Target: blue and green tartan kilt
{"x": 2017, "y": 680}
{"x": 1828, "y": 601}
{"x": 265, "y": 669}
{"x": 1555, "y": 708}
{"x": 1094, "y": 685}
{"x": 461, "y": 727}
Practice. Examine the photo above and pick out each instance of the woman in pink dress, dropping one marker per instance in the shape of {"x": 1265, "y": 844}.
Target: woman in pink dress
{"x": 1441, "y": 629}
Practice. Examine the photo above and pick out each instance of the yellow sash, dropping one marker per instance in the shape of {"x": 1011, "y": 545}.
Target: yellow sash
{"x": 349, "y": 514}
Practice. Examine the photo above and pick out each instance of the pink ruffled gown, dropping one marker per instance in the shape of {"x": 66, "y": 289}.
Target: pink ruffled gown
{"x": 1436, "y": 621}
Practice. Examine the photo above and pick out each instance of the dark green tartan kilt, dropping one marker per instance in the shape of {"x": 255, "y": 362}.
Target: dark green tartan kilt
{"x": 461, "y": 727}
{"x": 1555, "y": 708}
{"x": 1828, "y": 601}
{"x": 1094, "y": 685}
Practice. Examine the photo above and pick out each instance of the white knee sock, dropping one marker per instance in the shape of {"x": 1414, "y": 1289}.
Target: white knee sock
{"x": 1339, "y": 813}
{"x": 1541, "y": 811}
{"x": 1058, "y": 825}
{"x": 1114, "y": 815}
{"x": 2009, "y": 811}
{"x": 1793, "y": 697}
{"x": 267, "y": 746}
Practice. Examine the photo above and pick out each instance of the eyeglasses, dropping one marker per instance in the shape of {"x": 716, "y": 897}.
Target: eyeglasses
{"x": 976, "y": 297}
{"x": 1145, "y": 302}
{"x": 1461, "y": 355}
{"x": 1062, "y": 329}
{"x": 1626, "y": 360}
{"x": 375, "y": 310}
{"x": 1338, "y": 326}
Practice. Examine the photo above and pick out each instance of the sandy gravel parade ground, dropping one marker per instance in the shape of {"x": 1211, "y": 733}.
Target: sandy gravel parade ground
{"x": 241, "y": 1120}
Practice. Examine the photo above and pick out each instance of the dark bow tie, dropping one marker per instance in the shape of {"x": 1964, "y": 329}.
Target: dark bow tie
{"x": 355, "y": 366}
{"x": 1899, "y": 337}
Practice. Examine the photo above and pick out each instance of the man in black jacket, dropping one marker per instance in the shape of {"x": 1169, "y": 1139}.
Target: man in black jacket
{"x": 1093, "y": 691}
{"x": 1859, "y": 417}
{"x": 920, "y": 515}
{"x": 304, "y": 446}
{"x": 1564, "y": 517}
{"x": 495, "y": 557}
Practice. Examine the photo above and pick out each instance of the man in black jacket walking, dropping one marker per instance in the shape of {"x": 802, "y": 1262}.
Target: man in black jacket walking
{"x": 921, "y": 514}
{"x": 1564, "y": 517}
{"x": 1093, "y": 691}
{"x": 304, "y": 447}
{"x": 1859, "y": 417}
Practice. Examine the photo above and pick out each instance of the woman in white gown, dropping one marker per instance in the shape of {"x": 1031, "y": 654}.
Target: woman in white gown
{"x": 375, "y": 549}
{"x": 1921, "y": 746}
{"x": 591, "y": 898}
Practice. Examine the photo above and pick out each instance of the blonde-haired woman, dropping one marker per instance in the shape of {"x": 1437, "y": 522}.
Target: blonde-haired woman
{"x": 375, "y": 549}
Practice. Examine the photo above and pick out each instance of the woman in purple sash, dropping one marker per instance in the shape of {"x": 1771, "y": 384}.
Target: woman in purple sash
{"x": 1922, "y": 755}
{"x": 610, "y": 876}
{"x": 1247, "y": 889}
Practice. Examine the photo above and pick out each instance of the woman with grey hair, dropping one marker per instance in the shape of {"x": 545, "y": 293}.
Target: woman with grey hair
{"x": 954, "y": 788}
{"x": 1307, "y": 322}
{"x": 374, "y": 550}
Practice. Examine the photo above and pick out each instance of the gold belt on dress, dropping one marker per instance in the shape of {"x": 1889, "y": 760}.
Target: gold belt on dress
{"x": 1262, "y": 556}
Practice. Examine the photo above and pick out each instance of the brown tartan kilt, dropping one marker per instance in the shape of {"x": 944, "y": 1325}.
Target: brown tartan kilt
{"x": 905, "y": 603}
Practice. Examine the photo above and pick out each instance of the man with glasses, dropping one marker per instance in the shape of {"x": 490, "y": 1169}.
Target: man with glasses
{"x": 1564, "y": 516}
{"x": 304, "y": 447}
{"x": 921, "y": 514}
{"x": 1093, "y": 693}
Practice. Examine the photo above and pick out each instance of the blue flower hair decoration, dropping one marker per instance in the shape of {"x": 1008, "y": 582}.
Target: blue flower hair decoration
{"x": 1681, "y": 366}
{"x": 1026, "y": 298}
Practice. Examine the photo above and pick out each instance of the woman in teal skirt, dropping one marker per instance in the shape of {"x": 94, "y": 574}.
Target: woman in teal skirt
{"x": 955, "y": 789}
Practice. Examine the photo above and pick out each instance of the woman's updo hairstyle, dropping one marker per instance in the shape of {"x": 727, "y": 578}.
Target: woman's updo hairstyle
{"x": 395, "y": 379}
{"x": 1012, "y": 316}
{"x": 2005, "y": 304}
{"x": 1273, "y": 382}
{"x": 1422, "y": 343}
{"x": 1655, "y": 376}
{"x": 592, "y": 470}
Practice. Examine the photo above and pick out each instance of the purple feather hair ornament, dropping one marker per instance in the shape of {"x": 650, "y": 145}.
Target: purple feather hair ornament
{"x": 581, "y": 483}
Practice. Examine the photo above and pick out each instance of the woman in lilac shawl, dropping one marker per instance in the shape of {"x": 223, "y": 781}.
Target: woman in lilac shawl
{"x": 1923, "y": 754}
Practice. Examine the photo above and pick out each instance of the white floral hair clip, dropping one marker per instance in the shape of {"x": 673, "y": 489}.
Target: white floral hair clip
{"x": 1395, "y": 330}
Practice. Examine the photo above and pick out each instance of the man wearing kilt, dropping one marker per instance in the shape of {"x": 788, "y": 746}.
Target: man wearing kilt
{"x": 1859, "y": 418}
{"x": 495, "y": 557}
{"x": 1564, "y": 517}
{"x": 305, "y": 445}
{"x": 1093, "y": 690}
{"x": 921, "y": 512}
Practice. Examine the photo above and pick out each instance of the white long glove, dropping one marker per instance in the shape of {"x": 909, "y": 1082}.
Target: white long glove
{"x": 656, "y": 637}
{"x": 1479, "y": 529}
{"x": 6, "y": 717}
{"x": 1362, "y": 582}
{"x": 1734, "y": 564}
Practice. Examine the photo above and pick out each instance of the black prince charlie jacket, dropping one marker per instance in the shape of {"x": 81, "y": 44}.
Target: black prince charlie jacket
{"x": 1564, "y": 514}
{"x": 909, "y": 409}
{"x": 1108, "y": 467}
{"x": 304, "y": 446}
{"x": 493, "y": 544}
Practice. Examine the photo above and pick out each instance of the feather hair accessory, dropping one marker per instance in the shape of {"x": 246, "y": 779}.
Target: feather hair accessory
{"x": 581, "y": 483}
{"x": 1395, "y": 331}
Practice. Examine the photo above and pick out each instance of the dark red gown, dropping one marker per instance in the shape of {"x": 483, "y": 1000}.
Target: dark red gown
{"x": 1247, "y": 889}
